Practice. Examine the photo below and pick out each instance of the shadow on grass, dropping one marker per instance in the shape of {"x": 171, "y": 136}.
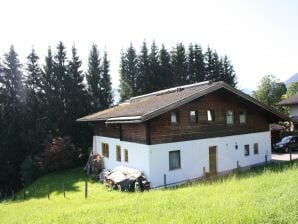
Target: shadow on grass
{"x": 54, "y": 183}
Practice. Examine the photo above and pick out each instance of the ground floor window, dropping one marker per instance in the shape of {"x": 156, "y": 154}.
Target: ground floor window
{"x": 256, "y": 148}
{"x": 246, "y": 150}
{"x": 125, "y": 155}
{"x": 118, "y": 153}
{"x": 105, "y": 149}
{"x": 174, "y": 160}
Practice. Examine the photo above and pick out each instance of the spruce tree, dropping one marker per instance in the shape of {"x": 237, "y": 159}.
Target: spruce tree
{"x": 209, "y": 62}
{"x": 143, "y": 76}
{"x": 128, "y": 73}
{"x": 199, "y": 65}
{"x": 106, "y": 84}
{"x": 228, "y": 73}
{"x": 155, "y": 80}
{"x": 165, "y": 73}
{"x": 93, "y": 77}
{"x": 179, "y": 65}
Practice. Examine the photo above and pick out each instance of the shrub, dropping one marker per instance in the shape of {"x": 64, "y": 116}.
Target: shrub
{"x": 60, "y": 154}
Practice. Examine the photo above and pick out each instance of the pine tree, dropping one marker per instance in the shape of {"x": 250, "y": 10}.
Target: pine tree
{"x": 93, "y": 77}
{"x": 155, "y": 80}
{"x": 128, "y": 73}
{"x": 143, "y": 76}
{"x": 179, "y": 65}
{"x": 106, "y": 84}
{"x": 199, "y": 65}
{"x": 228, "y": 73}
{"x": 209, "y": 62}
{"x": 165, "y": 74}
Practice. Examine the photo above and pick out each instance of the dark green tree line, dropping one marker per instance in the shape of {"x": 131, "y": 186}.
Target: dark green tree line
{"x": 156, "y": 69}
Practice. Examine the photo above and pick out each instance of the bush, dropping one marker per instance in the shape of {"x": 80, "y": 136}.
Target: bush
{"x": 60, "y": 154}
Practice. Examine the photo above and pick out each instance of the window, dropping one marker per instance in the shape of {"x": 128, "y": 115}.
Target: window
{"x": 230, "y": 117}
{"x": 125, "y": 155}
{"x": 210, "y": 115}
{"x": 118, "y": 153}
{"x": 246, "y": 150}
{"x": 174, "y": 117}
{"x": 193, "y": 116}
{"x": 174, "y": 160}
{"x": 105, "y": 149}
{"x": 242, "y": 117}
{"x": 256, "y": 148}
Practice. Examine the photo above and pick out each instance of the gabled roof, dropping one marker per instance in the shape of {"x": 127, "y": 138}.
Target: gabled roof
{"x": 142, "y": 108}
{"x": 292, "y": 100}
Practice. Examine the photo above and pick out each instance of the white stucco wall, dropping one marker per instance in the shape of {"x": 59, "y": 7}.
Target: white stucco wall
{"x": 153, "y": 160}
{"x": 194, "y": 156}
{"x": 138, "y": 154}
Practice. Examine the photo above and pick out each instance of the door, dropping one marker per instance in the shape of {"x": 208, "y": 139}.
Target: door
{"x": 212, "y": 160}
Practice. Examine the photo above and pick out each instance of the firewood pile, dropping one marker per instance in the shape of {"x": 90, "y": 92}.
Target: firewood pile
{"x": 94, "y": 164}
{"x": 125, "y": 179}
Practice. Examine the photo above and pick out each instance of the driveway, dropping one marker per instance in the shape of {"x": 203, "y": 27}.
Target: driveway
{"x": 279, "y": 157}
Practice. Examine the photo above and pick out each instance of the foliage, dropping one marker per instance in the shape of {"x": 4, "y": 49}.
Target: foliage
{"x": 263, "y": 195}
{"x": 157, "y": 69}
{"x": 270, "y": 91}
{"x": 29, "y": 171}
{"x": 59, "y": 155}
{"x": 292, "y": 90}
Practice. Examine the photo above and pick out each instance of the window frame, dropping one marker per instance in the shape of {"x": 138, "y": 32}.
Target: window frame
{"x": 227, "y": 115}
{"x": 125, "y": 155}
{"x": 105, "y": 150}
{"x": 171, "y": 153}
{"x": 177, "y": 117}
{"x": 212, "y": 114}
{"x": 118, "y": 153}
{"x": 246, "y": 150}
{"x": 196, "y": 117}
{"x": 245, "y": 117}
{"x": 256, "y": 148}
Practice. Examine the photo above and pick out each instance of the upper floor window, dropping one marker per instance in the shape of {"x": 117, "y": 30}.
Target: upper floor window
{"x": 174, "y": 117}
{"x": 105, "y": 149}
{"x": 242, "y": 117}
{"x": 210, "y": 115}
{"x": 230, "y": 117}
{"x": 118, "y": 153}
{"x": 193, "y": 116}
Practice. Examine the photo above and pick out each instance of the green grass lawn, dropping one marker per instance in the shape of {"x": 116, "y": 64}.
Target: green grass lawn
{"x": 263, "y": 195}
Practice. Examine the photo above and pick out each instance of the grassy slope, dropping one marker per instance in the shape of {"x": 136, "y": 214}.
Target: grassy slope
{"x": 260, "y": 196}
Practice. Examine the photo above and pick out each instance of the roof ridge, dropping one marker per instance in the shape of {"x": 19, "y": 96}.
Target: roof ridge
{"x": 170, "y": 90}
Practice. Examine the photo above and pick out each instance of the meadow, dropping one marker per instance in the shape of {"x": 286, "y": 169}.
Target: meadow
{"x": 262, "y": 195}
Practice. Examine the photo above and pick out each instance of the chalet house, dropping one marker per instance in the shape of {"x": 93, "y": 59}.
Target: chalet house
{"x": 292, "y": 104}
{"x": 185, "y": 132}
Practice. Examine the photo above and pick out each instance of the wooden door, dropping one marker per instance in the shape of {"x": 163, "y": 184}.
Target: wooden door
{"x": 212, "y": 160}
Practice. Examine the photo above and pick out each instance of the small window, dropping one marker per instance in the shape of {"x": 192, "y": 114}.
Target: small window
{"x": 105, "y": 149}
{"x": 242, "y": 117}
{"x": 125, "y": 155}
{"x": 193, "y": 116}
{"x": 174, "y": 117}
{"x": 246, "y": 150}
{"x": 174, "y": 160}
{"x": 210, "y": 115}
{"x": 118, "y": 153}
{"x": 256, "y": 148}
{"x": 230, "y": 117}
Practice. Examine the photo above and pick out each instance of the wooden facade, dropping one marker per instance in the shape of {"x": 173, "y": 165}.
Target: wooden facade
{"x": 160, "y": 129}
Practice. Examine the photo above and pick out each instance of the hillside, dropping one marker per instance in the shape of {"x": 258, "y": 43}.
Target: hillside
{"x": 293, "y": 78}
{"x": 267, "y": 195}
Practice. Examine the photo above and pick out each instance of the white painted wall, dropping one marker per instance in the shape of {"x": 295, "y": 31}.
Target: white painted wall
{"x": 293, "y": 110}
{"x": 195, "y": 155}
{"x": 153, "y": 160}
{"x": 138, "y": 154}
